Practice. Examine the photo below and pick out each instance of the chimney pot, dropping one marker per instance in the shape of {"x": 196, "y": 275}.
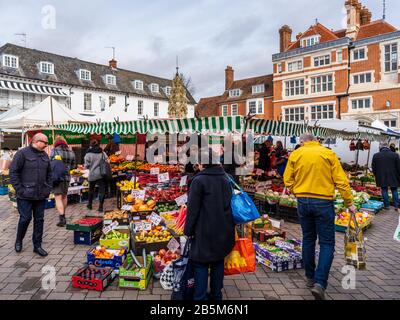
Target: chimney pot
{"x": 285, "y": 38}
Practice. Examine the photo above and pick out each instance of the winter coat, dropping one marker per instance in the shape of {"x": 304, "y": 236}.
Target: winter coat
{"x": 93, "y": 158}
{"x": 30, "y": 174}
{"x": 209, "y": 217}
{"x": 67, "y": 156}
{"x": 386, "y": 168}
{"x": 264, "y": 163}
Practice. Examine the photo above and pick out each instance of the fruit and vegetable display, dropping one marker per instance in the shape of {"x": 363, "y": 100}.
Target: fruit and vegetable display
{"x": 166, "y": 207}
{"x": 88, "y": 221}
{"x": 166, "y": 195}
{"x": 92, "y": 272}
{"x": 363, "y": 219}
{"x": 164, "y": 257}
{"x": 114, "y": 234}
{"x": 101, "y": 252}
{"x": 163, "y": 168}
{"x": 141, "y": 206}
{"x": 116, "y": 214}
{"x": 116, "y": 159}
{"x": 154, "y": 235}
{"x": 358, "y": 199}
{"x": 127, "y": 185}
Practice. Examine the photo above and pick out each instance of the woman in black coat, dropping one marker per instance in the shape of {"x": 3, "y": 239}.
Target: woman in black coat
{"x": 264, "y": 162}
{"x": 209, "y": 223}
{"x": 386, "y": 168}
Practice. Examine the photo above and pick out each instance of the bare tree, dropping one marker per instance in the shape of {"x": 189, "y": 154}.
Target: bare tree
{"x": 188, "y": 83}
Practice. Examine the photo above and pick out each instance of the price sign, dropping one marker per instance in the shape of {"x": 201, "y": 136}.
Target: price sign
{"x": 275, "y": 223}
{"x": 180, "y": 201}
{"x": 147, "y": 226}
{"x": 155, "y": 171}
{"x": 155, "y": 218}
{"x": 138, "y": 226}
{"x": 118, "y": 153}
{"x": 183, "y": 181}
{"x": 126, "y": 207}
{"x": 139, "y": 194}
{"x": 111, "y": 227}
{"x": 173, "y": 245}
{"x": 133, "y": 179}
{"x": 163, "y": 177}
{"x": 130, "y": 157}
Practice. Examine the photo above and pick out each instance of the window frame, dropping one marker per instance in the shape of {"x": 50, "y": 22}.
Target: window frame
{"x": 357, "y": 101}
{"x": 339, "y": 53}
{"x": 140, "y": 107}
{"x": 322, "y": 58}
{"x": 168, "y": 90}
{"x": 136, "y": 83}
{"x": 46, "y": 63}
{"x": 358, "y": 50}
{"x": 154, "y": 85}
{"x": 391, "y": 61}
{"x": 298, "y": 65}
{"x": 224, "y": 110}
{"x": 235, "y": 107}
{"x": 289, "y": 89}
{"x": 111, "y": 76}
{"x": 235, "y": 93}
{"x": 85, "y": 72}
{"x": 310, "y": 41}
{"x": 364, "y": 75}
{"x": 87, "y": 97}
{"x": 320, "y": 110}
{"x": 260, "y": 86}
{"x": 314, "y": 83}
{"x": 259, "y": 106}
{"x": 112, "y": 98}
{"x": 292, "y": 112}
{"x": 11, "y": 57}
{"x": 156, "y": 109}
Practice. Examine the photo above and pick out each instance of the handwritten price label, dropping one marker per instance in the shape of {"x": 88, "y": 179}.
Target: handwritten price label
{"x": 163, "y": 177}
{"x": 147, "y": 226}
{"x": 138, "y": 226}
{"x": 126, "y": 207}
{"x": 155, "y": 218}
{"x": 183, "y": 181}
{"x": 139, "y": 194}
{"x": 180, "y": 201}
{"x": 130, "y": 157}
{"x": 155, "y": 171}
{"x": 111, "y": 227}
{"x": 173, "y": 245}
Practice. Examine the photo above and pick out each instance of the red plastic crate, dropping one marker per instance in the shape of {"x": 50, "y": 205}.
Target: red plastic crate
{"x": 78, "y": 281}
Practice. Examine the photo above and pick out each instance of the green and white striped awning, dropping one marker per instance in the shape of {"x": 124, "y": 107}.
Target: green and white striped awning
{"x": 216, "y": 125}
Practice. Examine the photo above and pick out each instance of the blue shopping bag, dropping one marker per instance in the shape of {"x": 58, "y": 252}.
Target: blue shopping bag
{"x": 183, "y": 278}
{"x": 243, "y": 208}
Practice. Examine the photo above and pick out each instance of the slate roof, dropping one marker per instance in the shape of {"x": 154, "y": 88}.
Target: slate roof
{"x": 66, "y": 73}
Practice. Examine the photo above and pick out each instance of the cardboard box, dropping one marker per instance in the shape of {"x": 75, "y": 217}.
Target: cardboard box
{"x": 98, "y": 284}
{"x": 138, "y": 278}
{"x": 117, "y": 243}
{"x": 114, "y": 263}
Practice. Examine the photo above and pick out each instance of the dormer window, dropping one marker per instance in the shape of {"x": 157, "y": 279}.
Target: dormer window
{"x": 138, "y": 85}
{"x": 10, "y": 61}
{"x": 85, "y": 75}
{"x": 111, "y": 80}
{"x": 154, "y": 88}
{"x": 258, "y": 89}
{"x": 168, "y": 91}
{"x": 310, "y": 41}
{"x": 234, "y": 93}
{"x": 46, "y": 67}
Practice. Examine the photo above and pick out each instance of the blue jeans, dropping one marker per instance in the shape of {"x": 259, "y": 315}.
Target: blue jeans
{"x": 201, "y": 280}
{"x": 317, "y": 218}
{"x": 385, "y": 195}
{"x": 27, "y": 209}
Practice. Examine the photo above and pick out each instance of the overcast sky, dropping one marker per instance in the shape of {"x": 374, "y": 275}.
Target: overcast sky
{"x": 207, "y": 35}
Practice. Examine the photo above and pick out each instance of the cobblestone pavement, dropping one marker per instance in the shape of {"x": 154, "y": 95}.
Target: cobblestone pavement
{"x": 20, "y": 274}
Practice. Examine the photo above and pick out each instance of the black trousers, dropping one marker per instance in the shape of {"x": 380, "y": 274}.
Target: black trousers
{"x": 101, "y": 183}
{"x": 27, "y": 209}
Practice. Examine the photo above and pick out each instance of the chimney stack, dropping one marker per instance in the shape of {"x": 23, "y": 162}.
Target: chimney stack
{"x": 113, "y": 64}
{"x": 353, "y": 8}
{"x": 229, "y": 77}
{"x": 285, "y": 38}
{"x": 366, "y": 16}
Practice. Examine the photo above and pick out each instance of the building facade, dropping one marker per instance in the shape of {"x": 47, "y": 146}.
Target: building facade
{"x": 346, "y": 74}
{"x": 28, "y": 76}
{"x": 251, "y": 96}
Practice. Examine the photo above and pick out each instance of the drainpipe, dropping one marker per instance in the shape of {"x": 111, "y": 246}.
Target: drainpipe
{"x": 339, "y": 97}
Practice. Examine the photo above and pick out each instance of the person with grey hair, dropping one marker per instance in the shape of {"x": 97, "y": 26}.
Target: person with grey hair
{"x": 312, "y": 174}
{"x": 30, "y": 175}
{"x": 386, "y": 169}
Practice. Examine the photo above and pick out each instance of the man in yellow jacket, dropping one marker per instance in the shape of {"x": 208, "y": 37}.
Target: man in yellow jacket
{"x": 312, "y": 173}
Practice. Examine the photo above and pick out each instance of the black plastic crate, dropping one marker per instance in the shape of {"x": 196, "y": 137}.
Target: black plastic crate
{"x": 288, "y": 214}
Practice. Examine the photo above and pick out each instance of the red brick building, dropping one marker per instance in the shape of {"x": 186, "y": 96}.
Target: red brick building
{"x": 346, "y": 74}
{"x": 241, "y": 97}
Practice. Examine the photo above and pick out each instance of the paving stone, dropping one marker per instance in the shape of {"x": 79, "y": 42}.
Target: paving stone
{"x": 242, "y": 285}
{"x": 59, "y": 296}
{"x": 251, "y": 294}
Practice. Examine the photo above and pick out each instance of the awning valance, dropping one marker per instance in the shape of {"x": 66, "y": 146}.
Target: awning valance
{"x": 31, "y": 88}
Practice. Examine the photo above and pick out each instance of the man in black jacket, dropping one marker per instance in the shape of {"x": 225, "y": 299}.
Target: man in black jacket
{"x": 210, "y": 223}
{"x": 386, "y": 168}
{"x": 30, "y": 175}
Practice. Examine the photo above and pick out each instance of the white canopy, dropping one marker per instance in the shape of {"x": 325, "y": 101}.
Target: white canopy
{"x": 115, "y": 113}
{"x": 11, "y": 113}
{"x": 41, "y": 115}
